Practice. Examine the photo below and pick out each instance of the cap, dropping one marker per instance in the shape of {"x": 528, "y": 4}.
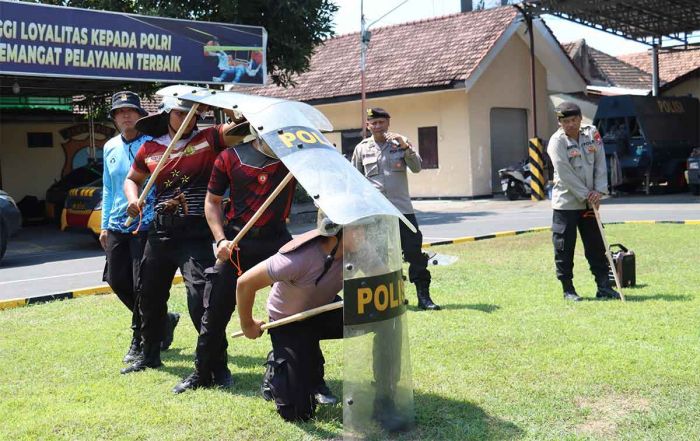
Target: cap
{"x": 377, "y": 112}
{"x": 567, "y": 108}
{"x": 126, "y": 99}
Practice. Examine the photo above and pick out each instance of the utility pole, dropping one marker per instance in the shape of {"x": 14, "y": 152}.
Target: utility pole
{"x": 365, "y": 36}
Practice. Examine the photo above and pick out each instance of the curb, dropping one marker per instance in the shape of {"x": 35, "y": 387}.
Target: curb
{"x": 539, "y": 229}
{"x": 105, "y": 289}
{"x": 82, "y": 292}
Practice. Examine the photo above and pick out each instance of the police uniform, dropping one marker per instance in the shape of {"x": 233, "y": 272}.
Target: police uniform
{"x": 579, "y": 168}
{"x": 385, "y": 164}
{"x": 250, "y": 176}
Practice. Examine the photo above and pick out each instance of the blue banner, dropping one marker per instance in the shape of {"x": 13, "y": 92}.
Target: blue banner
{"x": 58, "y": 41}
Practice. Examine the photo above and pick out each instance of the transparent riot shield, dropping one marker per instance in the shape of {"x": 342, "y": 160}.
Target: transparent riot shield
{"x": 377, "y": 384}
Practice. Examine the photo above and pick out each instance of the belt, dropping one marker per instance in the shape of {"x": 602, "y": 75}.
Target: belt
{"x": 176, "y": 222}
{"x": 259, "y": 232}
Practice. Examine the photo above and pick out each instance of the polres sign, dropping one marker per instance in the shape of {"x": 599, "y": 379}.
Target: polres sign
{"x": 58, "y": 41}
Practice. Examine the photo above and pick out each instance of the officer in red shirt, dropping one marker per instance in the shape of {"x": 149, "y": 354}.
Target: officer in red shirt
{"x": 250, "y": 176}
{"x": 179, "y": 237}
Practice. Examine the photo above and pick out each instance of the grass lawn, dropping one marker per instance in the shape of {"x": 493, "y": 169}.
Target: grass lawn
{"x": 506, "y": 359}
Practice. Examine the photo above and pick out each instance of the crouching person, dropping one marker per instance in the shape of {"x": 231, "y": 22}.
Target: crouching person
{"x": 306, "y": 273}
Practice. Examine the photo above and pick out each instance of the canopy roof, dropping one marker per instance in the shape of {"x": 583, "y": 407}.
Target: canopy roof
{"x": 640, "y": 20}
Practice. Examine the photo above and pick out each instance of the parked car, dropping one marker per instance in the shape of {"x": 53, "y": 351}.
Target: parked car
{"x": 693, "y": 173}
{"x": 83, "y": 208}
{"x": 10, "y": 220}
{"x": 57, "y": 193}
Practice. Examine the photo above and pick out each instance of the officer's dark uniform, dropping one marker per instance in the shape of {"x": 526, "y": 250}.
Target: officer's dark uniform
{"x": 250, "y": 176}
{"x": 579, "y": 169}
{"x": 384, "y": 164}
{"x": 180, "y": 237}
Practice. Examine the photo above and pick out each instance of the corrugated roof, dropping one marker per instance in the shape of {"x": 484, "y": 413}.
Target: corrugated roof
{"x": 428, "y": 53}
{"x": 672, "y": 64}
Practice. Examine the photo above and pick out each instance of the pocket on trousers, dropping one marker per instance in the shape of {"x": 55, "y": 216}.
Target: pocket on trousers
{"x": 558, "y": 231}
{"x": 291, "y": 401}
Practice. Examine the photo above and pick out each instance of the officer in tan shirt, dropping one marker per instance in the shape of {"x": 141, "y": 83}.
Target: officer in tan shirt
{"x": 383, "y": 158}
{"x": 580, "y": 179}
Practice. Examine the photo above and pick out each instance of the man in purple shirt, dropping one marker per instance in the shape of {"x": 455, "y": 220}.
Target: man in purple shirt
{"x": 306, "y": 273}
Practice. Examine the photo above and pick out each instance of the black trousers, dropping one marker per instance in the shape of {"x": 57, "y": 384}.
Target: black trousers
{"x": 298, "y": 362}
{"x": 189, "y": 249}
{"x": 412, "y": 253}
{"x": 122, "y": 270}
{"x": 220, "y": 293}
{"x": 564, "y": 226}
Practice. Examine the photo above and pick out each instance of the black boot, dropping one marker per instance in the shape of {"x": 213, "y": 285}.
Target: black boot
{"x": 221, "y": 374}
{"x": 150, "y": 358}
{"x": 266, "y": 387}
{"x": 134, "y": 350}
{"x": 324, "y": 396}
{"x": 169, "y": 332}
{"x": 569, "y": 291}
{"x": 199, "y": 378}
{"x": 605, "y": 290}
{"x": 388, "y": 417}
{"x": 424, "y": 300}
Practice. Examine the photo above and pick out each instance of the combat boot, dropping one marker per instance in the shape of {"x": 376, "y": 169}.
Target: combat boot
{"x": 221, "y": 374}
{"x": 324, "y": 396}
{"x": 569, "y": 291}
{"x": 134, "y": 349}
{"x": 424, "y": 300}
{"x": 169, "y": 332}
{"x": 388, "y": 417}
{"x": 200, "y": 377}
{"x": 605, "y": 291}
{"x": 149, "y": 358}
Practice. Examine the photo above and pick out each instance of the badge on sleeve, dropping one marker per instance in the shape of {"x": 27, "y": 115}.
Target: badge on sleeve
{"x": 262, "y": 178}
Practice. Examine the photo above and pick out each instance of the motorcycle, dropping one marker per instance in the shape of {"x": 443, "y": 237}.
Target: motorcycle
{"x": 515, "y": 181}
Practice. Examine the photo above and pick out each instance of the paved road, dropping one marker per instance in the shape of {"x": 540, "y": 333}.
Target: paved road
{"x": 42, "y": 260}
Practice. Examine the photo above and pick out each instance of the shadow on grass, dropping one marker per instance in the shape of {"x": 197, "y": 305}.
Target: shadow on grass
{"x": 664, "y": 297}
{"x": 437, "y": 417}
{"x": 483, "y": 307}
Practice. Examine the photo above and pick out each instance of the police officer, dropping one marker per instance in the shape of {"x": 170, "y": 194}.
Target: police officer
{"x": 580, "y": 179}
{"x": 250, "y": 176}
{"x": 124, "y": 245}
{"x": 383, "y": 159}
{"x": 180, "y": 237}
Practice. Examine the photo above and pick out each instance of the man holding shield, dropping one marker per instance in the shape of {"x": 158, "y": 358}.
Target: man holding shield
{"x": 179, "y": 237}
{"x": 306, "y": 273}
{"x": 580, "y": 179}
{"x": 250, "y": 172}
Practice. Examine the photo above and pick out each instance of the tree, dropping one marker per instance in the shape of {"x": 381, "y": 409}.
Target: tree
{"x": 295, "y": 27}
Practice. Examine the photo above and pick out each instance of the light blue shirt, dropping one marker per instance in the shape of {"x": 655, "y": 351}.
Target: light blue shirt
{"x": 118, "y": 157}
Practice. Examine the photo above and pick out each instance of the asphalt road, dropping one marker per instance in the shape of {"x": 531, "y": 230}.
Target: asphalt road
{"x": 42, "y": 260}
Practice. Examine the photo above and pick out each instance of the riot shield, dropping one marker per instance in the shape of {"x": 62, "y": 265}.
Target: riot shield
{"x": 377, "y": 384}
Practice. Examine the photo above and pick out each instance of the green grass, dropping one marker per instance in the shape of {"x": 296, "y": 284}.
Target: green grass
{"x": 507, "y": 358}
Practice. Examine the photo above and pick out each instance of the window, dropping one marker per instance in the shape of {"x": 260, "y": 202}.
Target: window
{"x": 427, "y": 146}
{"x": 39, "y": 140}
{"x": 350, "y": 138}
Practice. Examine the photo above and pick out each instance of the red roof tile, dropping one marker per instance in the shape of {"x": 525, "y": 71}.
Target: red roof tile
{"x": 672, "y": 64}
{"x": 426, "y": 53}
{"x": 605, "y": 68}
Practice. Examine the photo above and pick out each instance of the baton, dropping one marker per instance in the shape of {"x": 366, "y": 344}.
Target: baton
{"x": 258, "y": 213}
{"x": 607, "y": 252}
{"x": 296, "y": 317}
{"x": 164, "y": 159}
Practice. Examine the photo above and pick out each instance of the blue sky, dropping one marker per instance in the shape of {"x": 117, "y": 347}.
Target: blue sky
{"x": 348, "y": 20}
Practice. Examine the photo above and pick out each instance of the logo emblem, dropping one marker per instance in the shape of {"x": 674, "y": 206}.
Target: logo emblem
{"x": 124, "y": 97}
{"x": 262, "y": 178}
